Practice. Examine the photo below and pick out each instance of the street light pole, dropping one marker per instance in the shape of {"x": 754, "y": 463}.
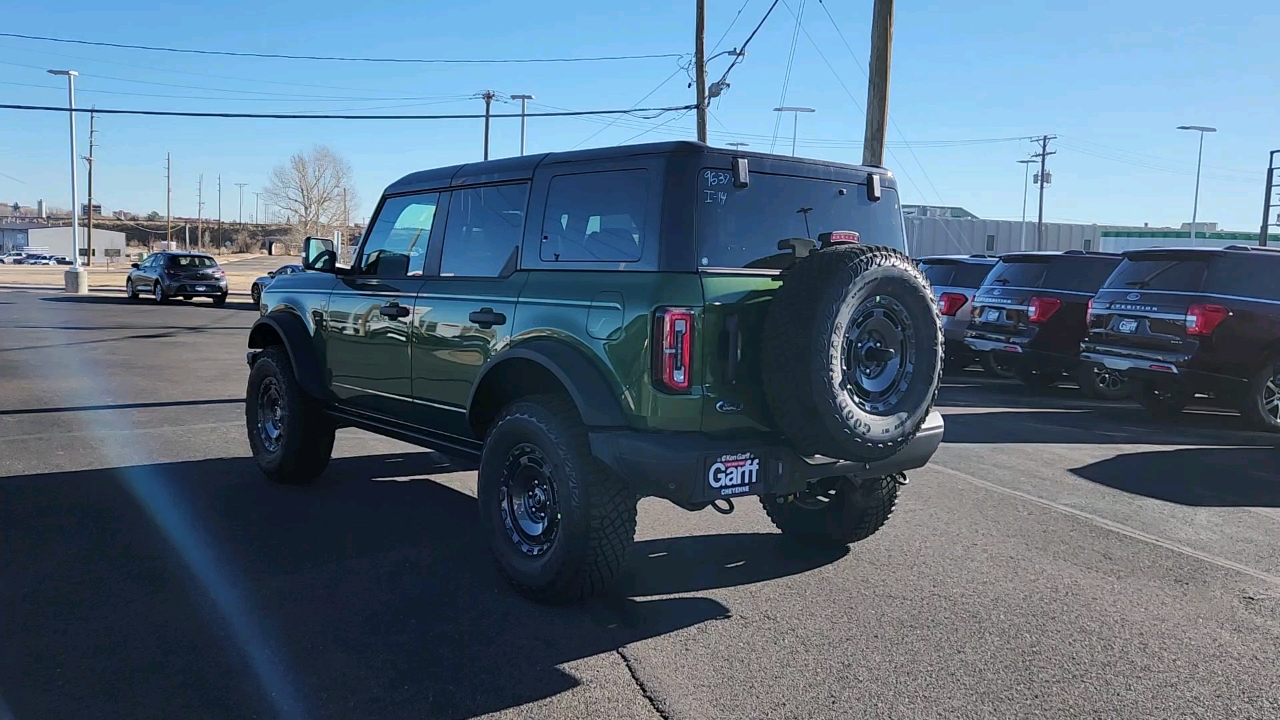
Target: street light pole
{"x": 1195, "y": 204}
{"x": 795, "y": 122}
{"x": 1026, "y": 172}
{"x": 241, "y": 186}
{"x": 523, "y": 99}
{"x": 75, "y": 280}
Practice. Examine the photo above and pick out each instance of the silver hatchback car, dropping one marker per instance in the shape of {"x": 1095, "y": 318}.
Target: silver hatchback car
{"x": 955, "y": 279}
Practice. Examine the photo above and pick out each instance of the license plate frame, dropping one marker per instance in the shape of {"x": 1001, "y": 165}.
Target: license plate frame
{"x": 1127, "y": 326}
{"x": 200, "y": 288}
{"x": 992, "y": 315}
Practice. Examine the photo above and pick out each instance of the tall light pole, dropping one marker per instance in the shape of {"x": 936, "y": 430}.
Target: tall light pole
{"x": 1026, "y": 171}
{"x": 75, "y": 280}
{"x": 523, "y": 99}
{"x": 1195, "y": 204}
{"x": 795, "y": 122}
{"x": 241, "y": 186}
{"x": 257, "y": 218}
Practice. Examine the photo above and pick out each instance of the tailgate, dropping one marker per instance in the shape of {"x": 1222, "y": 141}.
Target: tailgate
{"x": 1153, "y": 321}
{"x": 733, "y": 326}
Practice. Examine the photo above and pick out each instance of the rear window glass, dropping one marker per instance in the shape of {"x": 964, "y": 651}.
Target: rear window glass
{"x": 741, "y": 227}
{"x": 1243, "y": 275}
{"x": 190, "y": 261}
{"x": 1159, "y": 274}
{"x": 1018, "y": 274}
{"x": 1079, "y": 274}
{"x": 956, "y": 274}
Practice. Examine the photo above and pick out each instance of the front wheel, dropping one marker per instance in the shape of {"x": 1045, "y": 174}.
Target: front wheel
{"x": 256, "y": 292}
{"x": 289, "y": 434}
{"x": 560, "y": 523}
{"x": 835, "y": 511}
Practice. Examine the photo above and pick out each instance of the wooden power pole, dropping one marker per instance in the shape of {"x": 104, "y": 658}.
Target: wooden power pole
{"x": 700, "y": 65}
{"x": 88, "y": 249}
{"x": 1042, "y": 179}
{"x": 487, "y": 96}
{"x": 168, "y": 200}
{"x": 878, "y": 83}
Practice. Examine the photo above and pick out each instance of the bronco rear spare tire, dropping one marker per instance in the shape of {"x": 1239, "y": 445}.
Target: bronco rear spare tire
{"x": 852, "y": 353}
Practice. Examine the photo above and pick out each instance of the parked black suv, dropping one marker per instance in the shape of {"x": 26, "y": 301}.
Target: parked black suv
{"x": 1193, "y": 321}
{"x": 955, "y": 279}
{"x": 1033, "y": 310}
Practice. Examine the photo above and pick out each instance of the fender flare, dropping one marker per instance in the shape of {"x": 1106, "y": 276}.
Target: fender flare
{"x": 597, "y": 403}
{"x": 297, "y": 341}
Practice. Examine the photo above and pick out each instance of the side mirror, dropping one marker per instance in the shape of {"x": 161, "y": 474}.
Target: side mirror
{"x": 271, "y": 273}
{"x": 133, "y": 265}
{"x": 318, "y": 254}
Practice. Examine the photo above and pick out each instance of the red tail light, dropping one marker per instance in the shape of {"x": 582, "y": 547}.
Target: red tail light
{"x": 1203, "y": 319}
{"x": 673, "y": 346}
{"x": 949, "y": 303}
{"x": 1088, "y": 309}
{"x": 1041, "y": 309}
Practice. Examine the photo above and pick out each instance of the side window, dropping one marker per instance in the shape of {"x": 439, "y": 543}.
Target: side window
{"x": 595, "y": 216}
{"x": 396, "y": 244}
{"x": 483, "y": 231}
{"x": 1243, "y": 275}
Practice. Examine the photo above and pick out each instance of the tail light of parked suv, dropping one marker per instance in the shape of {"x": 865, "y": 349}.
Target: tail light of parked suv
{"x": 1040, "y": 309}
{"x": 949, "y": 303}
{"x": 673, "y": 348}
{"x": 1204, "y": 319}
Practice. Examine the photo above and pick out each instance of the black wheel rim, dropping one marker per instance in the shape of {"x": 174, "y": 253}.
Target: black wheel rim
{"x": 527, "y": 500}
{"x": 879, "y": 356}
{"x": 270, "y": 414}
{"x": 257, "y": 294}
{"x": 1271, "y": 398}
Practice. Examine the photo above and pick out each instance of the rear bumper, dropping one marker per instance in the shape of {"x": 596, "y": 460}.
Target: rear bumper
{"x": 692, "y": 470}
{"x": 1164, "y": 367}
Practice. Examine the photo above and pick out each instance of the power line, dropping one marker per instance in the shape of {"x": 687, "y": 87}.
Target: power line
{"x": 658, "y": 112}
{"x": 786, "y": 78}
{"x": 433, "y": 98}
{"x": 733, "y": 22}
{"x": 668, "y": 120}
{"x": 646, "y": 97}
{"x": 340, "y": 58}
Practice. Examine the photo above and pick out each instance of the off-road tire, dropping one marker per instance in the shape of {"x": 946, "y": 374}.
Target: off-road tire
{"x": 854, "y": 510}
{"x": 595, "y": 510}
{"x": 305, "y": 441}
{"x": 992, "y": 367}
{"x": 806, "y": 352}
{"x": 1264, "y": 388}
{"x": 1164, "y": 402}
{"x": 1098, "y": 386}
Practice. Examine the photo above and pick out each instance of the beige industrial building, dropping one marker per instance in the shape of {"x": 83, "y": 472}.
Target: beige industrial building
{"x": 108, "y": 245}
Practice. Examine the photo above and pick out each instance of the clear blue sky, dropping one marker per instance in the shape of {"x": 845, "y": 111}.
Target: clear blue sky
{"x": 1111, "y": 79}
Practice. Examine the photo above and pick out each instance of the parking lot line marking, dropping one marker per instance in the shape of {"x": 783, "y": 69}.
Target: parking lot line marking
{"x": 129, "y": 431}
{"x": 1113, "y": 526}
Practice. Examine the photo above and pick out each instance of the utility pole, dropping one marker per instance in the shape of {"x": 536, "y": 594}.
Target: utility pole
{"x": 878, "y": 83}
{"x": 168, "y": 199}
{"x": 200, "y": 212}
{"x": 487, "y": 96}
{"x": 1026, "y": 172}
{"x": 257, "y": 218}
{"x": 241, "y": 186}
{"x": 88, "y": 257}
{"x": 700, "y": 65}
{"x": 218, "y": 242}
{"x": 1042, "y": 179}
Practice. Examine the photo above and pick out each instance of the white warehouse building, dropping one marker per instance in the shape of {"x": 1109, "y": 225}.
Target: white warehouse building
{"x": 108, "y": 245}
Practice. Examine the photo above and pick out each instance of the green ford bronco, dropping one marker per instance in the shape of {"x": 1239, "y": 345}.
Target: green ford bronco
{"x": 589, "y": 328}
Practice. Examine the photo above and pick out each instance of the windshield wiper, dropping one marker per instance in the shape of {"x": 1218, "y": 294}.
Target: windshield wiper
{"x": 1002, "y": 281}
{"x": 1138, "y": 283}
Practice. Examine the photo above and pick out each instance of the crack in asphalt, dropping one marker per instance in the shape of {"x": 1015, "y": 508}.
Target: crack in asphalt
{"x": 648, "y": 694}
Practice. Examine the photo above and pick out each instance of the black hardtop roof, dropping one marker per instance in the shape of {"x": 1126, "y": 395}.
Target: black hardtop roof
{"x": 522, "y": 167}
{"x": 1156, "y": 251}
{"x": 1036, "y": 255}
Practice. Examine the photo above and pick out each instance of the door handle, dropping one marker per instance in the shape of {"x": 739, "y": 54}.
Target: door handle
{"x": 394, "y": 311}
{"x": 485, "y": 318}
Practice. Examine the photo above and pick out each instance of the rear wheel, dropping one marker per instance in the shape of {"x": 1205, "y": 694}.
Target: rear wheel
{"x": 1262, "y": 405}
{"x": 996, "y": 365}
{"x": 220, "y": 300}
{"x": 1101, "y": 382}
{"x": 835, "y": 511}
{"x": 559, "y": 521}
{"x": 157, "y": 292}
{"x": 1162, "y": 400}
{"x": 289, "y": 434}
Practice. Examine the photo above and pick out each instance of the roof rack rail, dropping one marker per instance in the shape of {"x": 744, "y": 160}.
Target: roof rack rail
{"x": 1252, "y": 248}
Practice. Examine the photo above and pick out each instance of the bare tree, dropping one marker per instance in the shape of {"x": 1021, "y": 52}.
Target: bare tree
{"x": 310, "y": 189}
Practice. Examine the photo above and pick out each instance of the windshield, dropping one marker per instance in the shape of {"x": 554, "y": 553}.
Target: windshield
{"x": 191, "y": 261}
{"x": 741, "y": 227}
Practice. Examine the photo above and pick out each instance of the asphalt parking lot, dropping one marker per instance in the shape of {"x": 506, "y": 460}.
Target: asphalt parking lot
{"x": 1060, "y": 558}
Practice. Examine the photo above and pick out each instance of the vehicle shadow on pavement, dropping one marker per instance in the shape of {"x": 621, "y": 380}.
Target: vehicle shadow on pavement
{"x": 146, "y": 301}
{"x": 1100, "y": 426}
{"x": 199, "y": 589}
{"x": 1206, "y": 477}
